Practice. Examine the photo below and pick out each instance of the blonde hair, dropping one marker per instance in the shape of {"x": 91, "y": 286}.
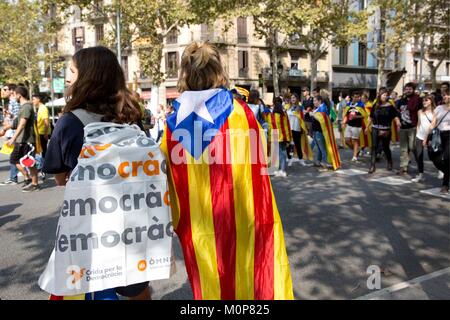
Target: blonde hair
{"x": 201, "y": 68}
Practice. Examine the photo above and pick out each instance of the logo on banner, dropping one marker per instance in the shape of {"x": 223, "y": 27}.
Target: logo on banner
{"x": 75, "y": 275}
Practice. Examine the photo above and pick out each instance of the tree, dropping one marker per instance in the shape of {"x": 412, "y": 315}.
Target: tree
{"x": 392, "y": 28}
{"x": 316, "y": 24}
{"x": 432, "y": 31}
{"x": 24, "y": 40}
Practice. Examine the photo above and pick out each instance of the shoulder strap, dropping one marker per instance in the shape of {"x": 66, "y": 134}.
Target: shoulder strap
{"x": 87, "y": 117}
{"x": 442, "y": 119}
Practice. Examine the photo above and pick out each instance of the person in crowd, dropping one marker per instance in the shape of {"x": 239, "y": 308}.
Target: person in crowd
{"x": 425, "y": 117}
{"x": 24, "y": 140}
{"x": 320, "y": 154}
{"x": 408, "y": 108}
{"x": 380, "y": 121}
{"x": 254, "y": 102}
{"x": 227, "y": 257}
{"x": 441, "y": 158}
{"x": 97, "y": 92}
{"x": 295, "y": 120}
{"x": 43, "y": 122}
{"x": 354, "y": 116}
{"x": 280, "y": 122}
{"x": 341, "y": 106}
{"x": 8, "y": 93}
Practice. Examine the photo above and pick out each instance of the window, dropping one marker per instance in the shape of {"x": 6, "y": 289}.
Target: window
{"x": 343, "y": 55}
{"x": 76, "y": 14}
{"x": 362, "y": 4}
{"x": 294, "y": 65}
{"x": 243, "y": 63}
{"x": 172, "y": 64}
{"x": 416, "y": 69}
{"x": 78, "y": 38}
{"x": 447, "y": 69}
{"x": 99, "y": 33}
{"x": 172, "y": 36}
{"x": 362, "y": 54}
{"x": 205, "y": 33}
{"x": 242, "y": 30}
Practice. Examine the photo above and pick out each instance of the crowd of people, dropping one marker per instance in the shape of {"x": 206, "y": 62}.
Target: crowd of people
{"x": 367, "y": 127}
{"x": 302, "y": 127}
{"x": 27, "y": 128}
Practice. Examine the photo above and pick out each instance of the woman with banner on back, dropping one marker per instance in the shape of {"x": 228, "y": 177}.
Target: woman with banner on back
{"x": 223, "y": 207}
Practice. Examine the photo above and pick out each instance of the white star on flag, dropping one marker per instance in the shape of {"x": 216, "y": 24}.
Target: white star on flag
{"x": 194, "y": 101}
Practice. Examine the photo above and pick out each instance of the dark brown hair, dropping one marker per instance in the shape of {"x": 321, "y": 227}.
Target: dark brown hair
{"x": 101, "y": 88}
{"x": 380, "y": 93}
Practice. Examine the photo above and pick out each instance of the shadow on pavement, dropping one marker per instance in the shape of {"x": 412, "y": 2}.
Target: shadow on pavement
{"x": 336, "y": 227}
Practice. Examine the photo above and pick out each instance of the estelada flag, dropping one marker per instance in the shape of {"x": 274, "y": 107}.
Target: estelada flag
{"x": 280, "y": 122}
{"x": 223, "y": 207}
{"x": 365, "y": 140}
{"x": 333, "y": 156}
{"x": 306, "y": 146}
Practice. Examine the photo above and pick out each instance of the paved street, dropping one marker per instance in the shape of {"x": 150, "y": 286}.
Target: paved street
{"x": 335, "y": 225}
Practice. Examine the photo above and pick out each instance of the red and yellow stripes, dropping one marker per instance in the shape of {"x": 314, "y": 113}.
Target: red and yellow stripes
{"x": 330, "y": 141}
{"x": 280, "y": 122}
{"x": 226, "y": 216}
{"x": 305, "y": 145}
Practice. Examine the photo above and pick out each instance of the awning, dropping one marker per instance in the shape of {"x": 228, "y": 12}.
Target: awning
{"x": 172, "y": 93}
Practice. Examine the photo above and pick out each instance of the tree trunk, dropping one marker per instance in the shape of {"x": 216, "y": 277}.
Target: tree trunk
{"x": 433, "y": 71}
{"x": 380, "y": 74}
{"x": 274, "y": 58}
{"x": 313, "y": 66}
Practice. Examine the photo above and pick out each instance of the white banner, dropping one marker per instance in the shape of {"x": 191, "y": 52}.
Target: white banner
{"x": 114, "y": 227}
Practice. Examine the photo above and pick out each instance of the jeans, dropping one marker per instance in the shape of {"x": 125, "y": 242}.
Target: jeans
{"x": 283, "y": 156}
{"x": 320, "y": 154}
{"x": 13, "y": 172}
{"x": 384, "y": 142}
{"x": 418, "y": 154}
{"x": 441, "y": 160}
{"x": 407, "y": 140}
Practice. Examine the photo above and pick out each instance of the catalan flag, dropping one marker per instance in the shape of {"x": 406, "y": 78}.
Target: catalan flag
{"x": 333, "y": 156}
{"x": 280, "y": 122}
{"x": 365, "y": 140}
{"x": 243, "y": 92}
{"x": 223, "y": 207}
{"x": 305, "y": 144}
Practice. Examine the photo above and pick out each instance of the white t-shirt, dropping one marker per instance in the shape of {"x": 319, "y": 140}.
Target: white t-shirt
{"x": 293, "y": 119}
{"x": 442, "y": 113}
{"x": 425, "y": 123}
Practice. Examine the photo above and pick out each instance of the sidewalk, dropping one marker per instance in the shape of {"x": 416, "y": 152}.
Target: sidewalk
{"x": 433, "y": 286}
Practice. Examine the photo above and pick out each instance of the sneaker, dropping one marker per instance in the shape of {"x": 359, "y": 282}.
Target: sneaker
{"x": 295, "y": 160}
{"x": 26, "y": 183}
{"x": 290, "y": 162}
{"x": 282, "y": 174}
{"x": 43, "y": 175}
{"x": 440, "y": 175}
{"x": 354, "y": 159}
{"x": 8, "y": 182}
{"x": 317, "y": 164}
{"x": 323, "y": 168}
{"x": 31, "y": 187}
{"x": 276, "y": 173}
{"x": 418, "y": 178}
{"x": 444, "y": 190}
{"x": 302, "y": 162}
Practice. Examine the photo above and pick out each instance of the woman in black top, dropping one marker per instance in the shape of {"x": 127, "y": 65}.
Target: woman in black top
{"x": 380, "y": 122}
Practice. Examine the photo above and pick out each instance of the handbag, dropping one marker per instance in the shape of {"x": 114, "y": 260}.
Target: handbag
{"x": 435, "y": 137}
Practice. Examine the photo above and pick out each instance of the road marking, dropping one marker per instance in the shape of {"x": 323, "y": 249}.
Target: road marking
{"x": 436, "y": 192}
{"x": 392, "y": 181}
{"x": 404, "y": 285}
{"x": 351, "y": 172}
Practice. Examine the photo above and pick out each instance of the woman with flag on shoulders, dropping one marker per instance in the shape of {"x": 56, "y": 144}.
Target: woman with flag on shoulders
{"x": 323, "y": 135}
{"x": 355, "y": 124}
{"x": 280, "y": 131}
{"x": 223, "y": 207}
